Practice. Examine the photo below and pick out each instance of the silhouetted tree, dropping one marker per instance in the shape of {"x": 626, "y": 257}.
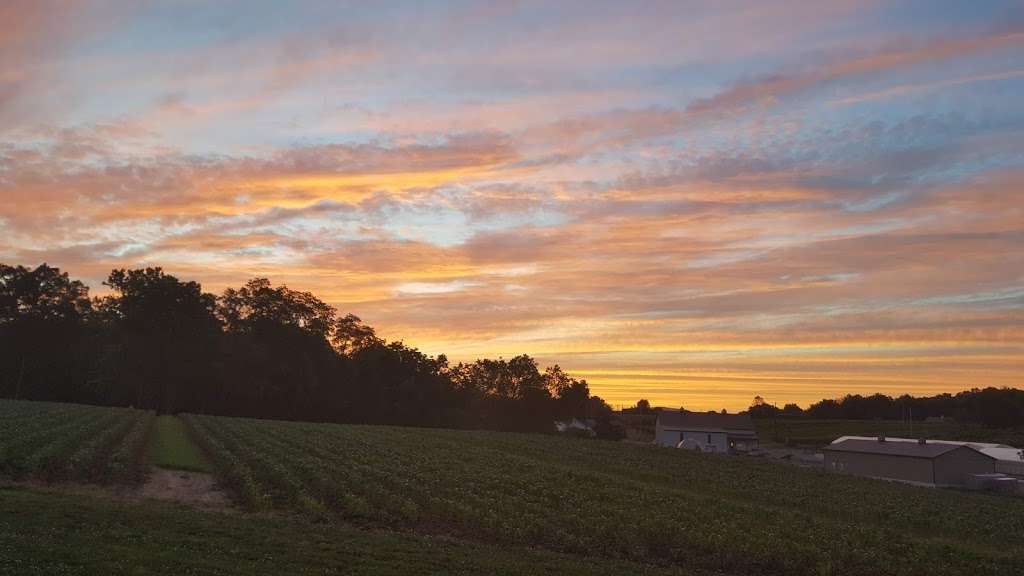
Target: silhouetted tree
{"x": 507, "y": 394}
{"x": 42, "y": 333}
{"x": 792, "y": 410}
{"x": 351, "y": 335}
{"x": 259, "y": 350}
{"x": 282, "y": 363}
{"x": 166, "y": 335}
{"x": 827, "y": 408}
{"x": 762, "y": 409}
{"x": 570, "y": 394}
{"x": 259, "y": 305}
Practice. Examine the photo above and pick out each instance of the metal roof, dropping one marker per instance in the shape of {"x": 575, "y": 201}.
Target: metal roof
{"x": 997, "y": 451}
{"x": 705, "y": 421}
{"x": 910, "y": 449}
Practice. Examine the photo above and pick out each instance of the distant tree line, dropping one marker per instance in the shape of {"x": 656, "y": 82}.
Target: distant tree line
{"x": 258, "y": 350}
{"x": 994, "y": 407}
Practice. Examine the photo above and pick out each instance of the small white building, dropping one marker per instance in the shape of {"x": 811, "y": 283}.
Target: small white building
{"x": 705, "y": 431}
{"x": 575, "y": 425}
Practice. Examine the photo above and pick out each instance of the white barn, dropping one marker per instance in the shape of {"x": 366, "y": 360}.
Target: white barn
{"x": 705, "y": 431}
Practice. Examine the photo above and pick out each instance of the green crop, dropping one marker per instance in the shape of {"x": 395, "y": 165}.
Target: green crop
{"x": 709, "y": 512}
{"x": 55, "y": 442}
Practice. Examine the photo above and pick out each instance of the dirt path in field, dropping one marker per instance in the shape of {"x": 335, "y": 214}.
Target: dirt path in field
{"x": 194, "y": 488}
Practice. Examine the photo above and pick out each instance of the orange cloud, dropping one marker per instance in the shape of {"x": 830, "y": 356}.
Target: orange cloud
{"x": 571, "y": 192}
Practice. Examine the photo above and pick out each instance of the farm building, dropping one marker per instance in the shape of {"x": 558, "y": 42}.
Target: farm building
{"x": 917, "y": 462}
{"x": 1009, "y": 460}
{"x": 575, "y": 425}
{"x": 705, "y": 431}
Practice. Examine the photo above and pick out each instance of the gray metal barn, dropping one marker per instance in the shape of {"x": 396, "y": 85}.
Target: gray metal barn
{"x": 933, "y": 464}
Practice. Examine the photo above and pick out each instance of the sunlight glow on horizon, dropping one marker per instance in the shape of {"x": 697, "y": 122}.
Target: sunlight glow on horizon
{"x": 689, "y": 206}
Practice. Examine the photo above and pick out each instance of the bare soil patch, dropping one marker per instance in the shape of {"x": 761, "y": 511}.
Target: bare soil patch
{"x": 195, "y": 488}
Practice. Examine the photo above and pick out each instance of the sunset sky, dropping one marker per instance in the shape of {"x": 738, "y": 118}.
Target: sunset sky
{"x": 691, "y": 202}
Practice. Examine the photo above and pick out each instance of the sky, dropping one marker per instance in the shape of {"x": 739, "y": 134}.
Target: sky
{"x": 689, "y": 202}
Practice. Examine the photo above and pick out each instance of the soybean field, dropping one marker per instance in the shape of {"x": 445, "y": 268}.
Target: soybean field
{"x": 611, "y": 500}
{"x": 489, "y": 498}
{"x": 70, "y": 442}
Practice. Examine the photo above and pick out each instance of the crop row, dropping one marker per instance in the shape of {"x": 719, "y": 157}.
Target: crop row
{"x": 54, "y": 442}
{"x": 580, "y": 496}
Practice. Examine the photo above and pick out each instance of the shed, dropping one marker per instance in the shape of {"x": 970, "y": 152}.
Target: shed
{"x": 926, "y": 463}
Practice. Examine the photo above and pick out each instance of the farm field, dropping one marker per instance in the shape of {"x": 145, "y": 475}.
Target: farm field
{"x": 817, "y": 433}
{"x": 389, "y": 500}
{"x": 45, "y": 533}
{"x": 68, "y": 442}
{"x": 594, "y": 498}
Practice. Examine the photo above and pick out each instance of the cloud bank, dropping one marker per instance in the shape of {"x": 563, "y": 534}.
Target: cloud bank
{"x": 689, "y": 208}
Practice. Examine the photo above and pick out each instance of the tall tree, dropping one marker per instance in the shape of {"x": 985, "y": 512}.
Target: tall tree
{"x": 351, "y": 335}
{"x": 167, "y": 334}
{"x": 258, "y": 305}
{"x": 570, "y": 394}
{"x": 41, "y": 332}
{"x": 282, "y": 363}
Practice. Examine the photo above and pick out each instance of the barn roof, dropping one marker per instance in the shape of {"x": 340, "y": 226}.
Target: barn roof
{"x": 705, "y": 421}
{"x": 997, "y": 451}
{"x": 910, "y": 449}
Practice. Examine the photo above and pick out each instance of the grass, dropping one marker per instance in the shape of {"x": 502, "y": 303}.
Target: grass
{"x": 615, "y": 501}
{"x": 172, "y": 449}
{"x": 48, "y": 533}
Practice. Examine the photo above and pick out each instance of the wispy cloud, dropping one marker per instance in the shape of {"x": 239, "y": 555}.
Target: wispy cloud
{"x": 685, "y": 205}
{"x": 904, "y": 89}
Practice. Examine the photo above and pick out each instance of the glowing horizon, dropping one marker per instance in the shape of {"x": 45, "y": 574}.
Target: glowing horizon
{"x": 693, "y": 205}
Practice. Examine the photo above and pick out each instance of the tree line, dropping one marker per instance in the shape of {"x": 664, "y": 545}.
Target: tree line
{"x": 993, "y": 407}
{"x": 258, "y": 350}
